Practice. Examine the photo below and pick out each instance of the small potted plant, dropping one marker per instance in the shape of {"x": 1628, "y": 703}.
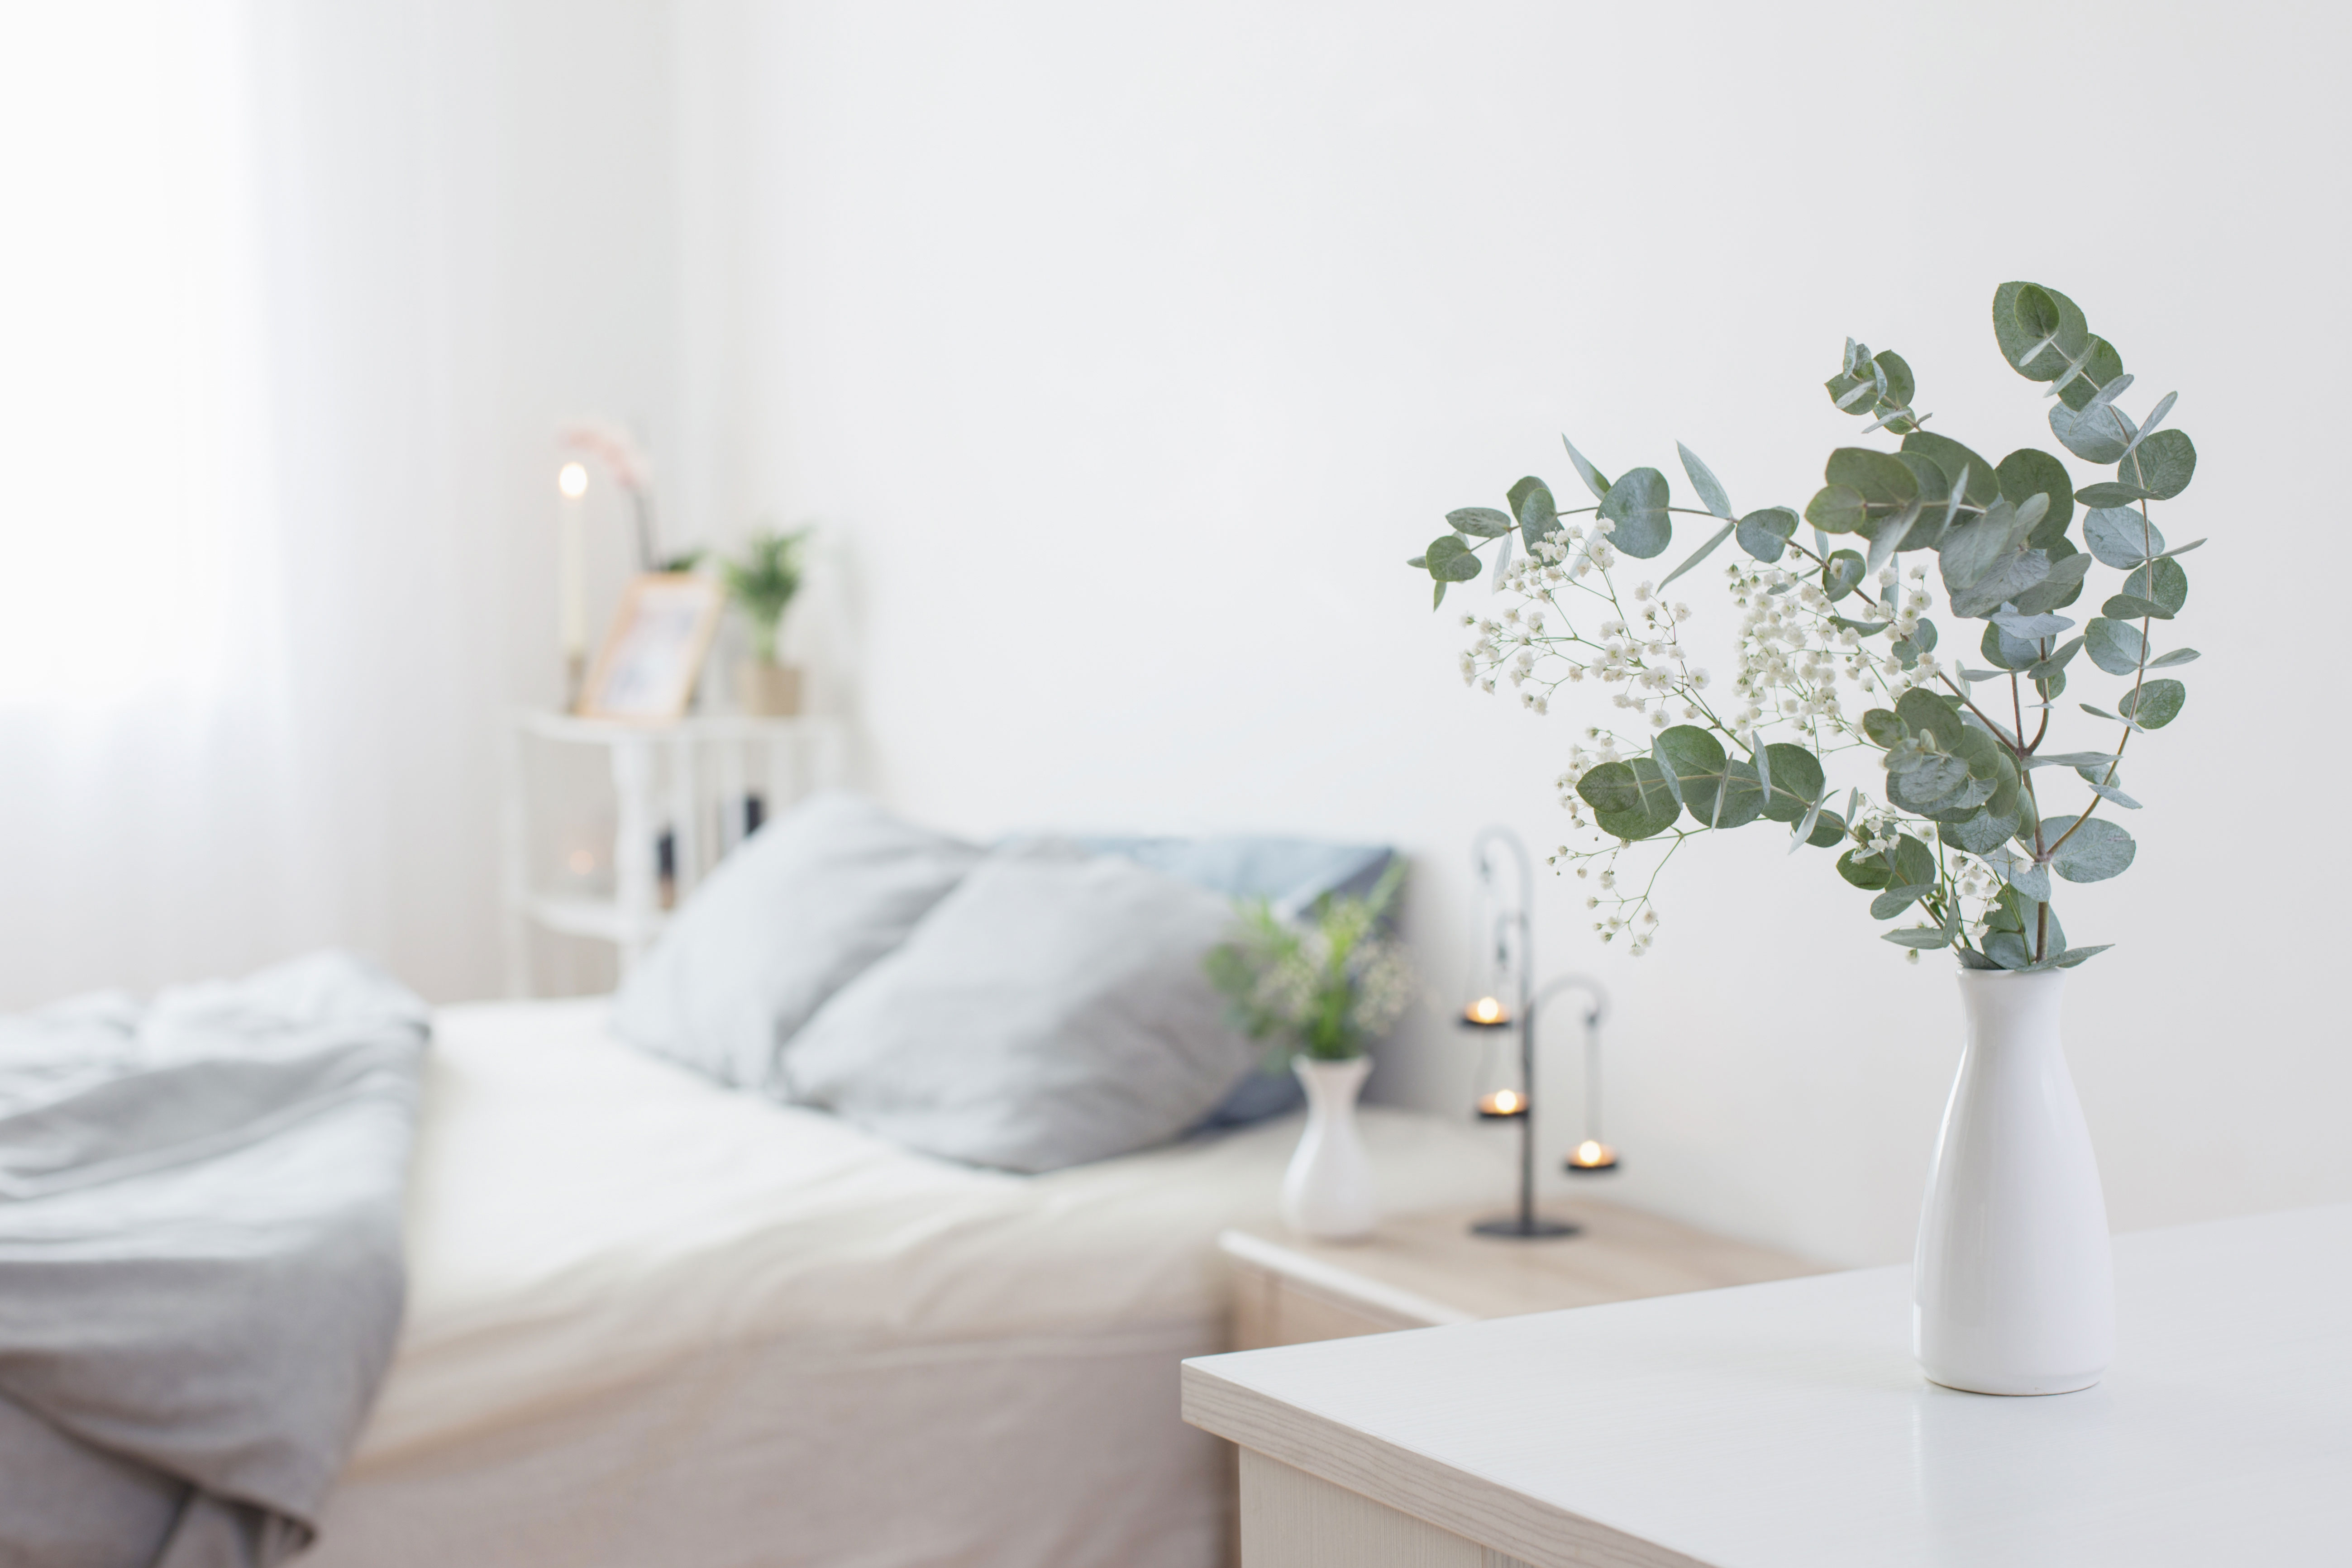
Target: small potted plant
{"x": 1320, "y": 991}
{"x": 764, "y": 583}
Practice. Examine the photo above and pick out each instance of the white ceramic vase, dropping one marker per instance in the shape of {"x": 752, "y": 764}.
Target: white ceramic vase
{"x": 1327, "y": 1191}
{"x": 2013, "y": 1287}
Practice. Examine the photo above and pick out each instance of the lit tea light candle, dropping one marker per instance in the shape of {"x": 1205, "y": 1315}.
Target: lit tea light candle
{"x": 1486, "y": 1010}
{"x": 1502, "y": 1102}
{"x": 1591, "y": 1155}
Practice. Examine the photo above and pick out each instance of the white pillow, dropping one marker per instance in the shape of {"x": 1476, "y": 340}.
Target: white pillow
{"x": 793, "y": 915}
{"x": 1052, "y": 1010}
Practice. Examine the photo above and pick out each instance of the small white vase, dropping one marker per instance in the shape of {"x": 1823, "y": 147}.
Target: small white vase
{"x": 2013, "y": 1287}
{"x": 1327, "y": 1191}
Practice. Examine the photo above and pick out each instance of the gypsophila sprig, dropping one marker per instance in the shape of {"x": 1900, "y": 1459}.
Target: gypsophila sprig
{"x": 1324, "y": 988}
{"x": 1835, "y": 652}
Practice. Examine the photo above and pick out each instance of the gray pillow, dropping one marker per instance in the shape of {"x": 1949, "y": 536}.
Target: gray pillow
{"x": 800, "y": 911}
{"x": 1051, "y": 1011}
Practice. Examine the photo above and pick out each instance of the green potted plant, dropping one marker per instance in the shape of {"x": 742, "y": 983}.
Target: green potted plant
{"x": 1966, "y": 812}
{"x": 1319, "y": 991}
{"x": 763, "y": 583}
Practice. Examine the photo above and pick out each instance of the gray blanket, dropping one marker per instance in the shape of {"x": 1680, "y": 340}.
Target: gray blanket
{"x": 200, "y": 1261}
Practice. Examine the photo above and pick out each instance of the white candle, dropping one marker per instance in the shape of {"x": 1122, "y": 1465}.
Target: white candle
{"x": 571, "y": 480}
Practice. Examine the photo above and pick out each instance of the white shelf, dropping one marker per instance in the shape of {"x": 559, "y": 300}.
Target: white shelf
{"x": 546, "y": 725}
{"x": 603, "y": 919}
{"x": 685, "y": 781}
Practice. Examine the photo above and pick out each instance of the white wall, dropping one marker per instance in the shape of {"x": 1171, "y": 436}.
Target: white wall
{"x": 1124, "y": 353}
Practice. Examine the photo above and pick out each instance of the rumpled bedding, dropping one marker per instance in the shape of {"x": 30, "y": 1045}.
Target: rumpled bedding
{"x": 201, "y": 1272}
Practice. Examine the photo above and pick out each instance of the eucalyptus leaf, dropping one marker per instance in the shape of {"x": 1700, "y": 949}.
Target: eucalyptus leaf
{"x": 1971, "y": 959}
{"x": 2155, "y": 704}
{"x": 1531, "y": 503}
{"x": 1837, "y": 508}
{"x": 1709, "y": 487}
{"x": 2091, "y": 852}
{"x": 1923, "y": 781}
{"x": 2114, "y": 646}
{"x": 1983, "y": 482}
{"x": 1927, "y": 713}
{"x": 2010, "y": 576}
{"x": 1449, "y": 560}
{"x": 1885, "y": 481}
{"x": 1629, "y": 800}
{"x": 2032, "y": 881}
{"x": 1889, "y": 539}
{"x": 1927, "y": 938}
{"x": 2030, "y": 471}
{"x": 1765, "y": 534}
{"x": 2162, "y": 583}
{"x": 2111, "y": 494}
{"x": 1586, "y": 471}
{"x": 2108, "y": 792}
{"x": 2161, "y": 464}
{"x": 1841, "y": 574}
{"x": 1864, "y": 872}
{"x": 2096, "y": 434}
{"x": 2178, "y": 656}
{"x": 2062, "y": 586}
{"x": 2008, "y": 950}
{"x": 2034, "y": 629}
{"x": 1895, "y": 900}
{"x": 1484, "y": 522}
{"x": 2121, "y": 537}
{"x": 2039, "y": 330}
{"x": 2069, "y": 759}
{"x": 1637, "y": 504}
{"x": 1913, "y": 861}
{"x": 2074, "y": 955}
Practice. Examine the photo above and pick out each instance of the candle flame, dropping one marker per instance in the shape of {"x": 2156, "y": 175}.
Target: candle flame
{"x": 1486, "y": 1010}
{"x": 572, "y": 480}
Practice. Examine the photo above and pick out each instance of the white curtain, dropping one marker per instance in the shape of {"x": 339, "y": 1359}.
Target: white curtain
{"x": 281, "y": 340}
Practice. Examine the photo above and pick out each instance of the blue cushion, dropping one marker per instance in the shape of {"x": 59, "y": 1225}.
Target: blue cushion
{"x": 1288, "y": 873}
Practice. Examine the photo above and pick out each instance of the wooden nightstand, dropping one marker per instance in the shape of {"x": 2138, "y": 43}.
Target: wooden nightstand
{"x": 1421, "y": 1271}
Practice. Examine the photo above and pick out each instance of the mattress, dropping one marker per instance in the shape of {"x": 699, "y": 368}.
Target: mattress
{"x": 651, "y": 1318}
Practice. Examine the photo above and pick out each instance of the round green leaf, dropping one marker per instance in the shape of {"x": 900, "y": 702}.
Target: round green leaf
{"x": 1837, "y": 508}
{"x": 2113, "y": 645}
{"x": 1629, "y": 800}
{"x": 1841, "y": 574}
{"x": 1765, "y": 534}
{"x": 1868, "y": 874}
{"x": 2155, "y": 704}
{"x": 2039, "y": 330}
{"x": 2161, "y": 582}
{"x": 1949, "y": 456}
{"x": 2030, "y": 471}
{"x": 2097, "y": 435}
{"x": 1637, "y": 504}
{"x": 2098, "y": 850}
{"x": 2161, "y": 464}
{"x": 1484, "y": 522}
{"x": 1796, "y": 782}
{"x": 1531, "y": 503}
{"x": 1923, "y": 711}
{"x": 2121, "y": 536}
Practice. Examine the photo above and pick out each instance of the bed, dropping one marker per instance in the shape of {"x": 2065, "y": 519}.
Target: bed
{"x": 652, "y": 1319}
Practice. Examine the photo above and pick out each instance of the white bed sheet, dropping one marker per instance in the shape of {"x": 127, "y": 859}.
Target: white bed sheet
{"x": 651, "y": 1319}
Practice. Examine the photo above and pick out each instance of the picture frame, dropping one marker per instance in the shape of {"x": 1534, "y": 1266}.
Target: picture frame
{"x": 646, "y": 673}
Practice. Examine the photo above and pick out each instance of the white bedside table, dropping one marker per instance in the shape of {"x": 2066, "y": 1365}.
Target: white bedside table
{"x": 1784, "y": 1425}
{"x": 1425, "y": 1269}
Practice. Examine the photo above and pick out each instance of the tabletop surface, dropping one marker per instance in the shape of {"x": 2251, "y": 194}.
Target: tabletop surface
{"x": 1437, "y": 1271}
{"x": 1784, "y": 1425}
